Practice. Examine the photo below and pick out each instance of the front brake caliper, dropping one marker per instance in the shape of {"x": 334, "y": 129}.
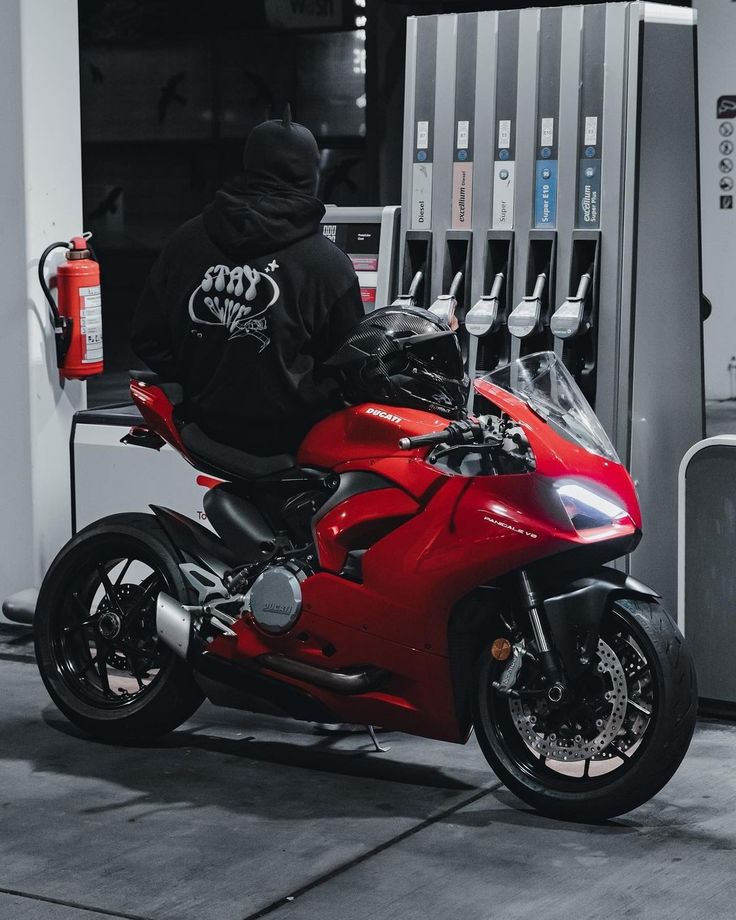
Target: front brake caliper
{"x": 505, "y": 684}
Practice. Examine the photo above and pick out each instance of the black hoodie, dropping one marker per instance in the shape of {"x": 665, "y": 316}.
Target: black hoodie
{"x": 249, "y": 298}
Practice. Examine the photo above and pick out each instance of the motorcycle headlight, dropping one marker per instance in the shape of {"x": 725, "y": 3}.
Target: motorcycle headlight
{"x": 588, "y": 509}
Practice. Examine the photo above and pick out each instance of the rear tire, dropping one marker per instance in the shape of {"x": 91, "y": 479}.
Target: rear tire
{"x": 651, "y": 762}
{"x": 80, "y": 660}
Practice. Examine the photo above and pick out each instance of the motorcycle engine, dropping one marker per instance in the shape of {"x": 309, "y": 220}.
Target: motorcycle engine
{"x": 275, "y": 598}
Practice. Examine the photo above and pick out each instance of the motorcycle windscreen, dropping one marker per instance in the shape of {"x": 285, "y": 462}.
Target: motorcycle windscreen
{"x": 545, "y": 383}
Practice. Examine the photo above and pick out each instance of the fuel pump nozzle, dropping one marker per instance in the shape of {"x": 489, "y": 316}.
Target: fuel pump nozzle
{"x": 567, "y": 320}
{"x": 446, "y": 304}
{"x": 410, "y": 298}
{"x": 524, "y": 318}
{"x": 482, "y": 317}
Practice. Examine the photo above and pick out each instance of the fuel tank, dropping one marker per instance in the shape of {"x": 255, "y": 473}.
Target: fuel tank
{"x": 370, "y": 430}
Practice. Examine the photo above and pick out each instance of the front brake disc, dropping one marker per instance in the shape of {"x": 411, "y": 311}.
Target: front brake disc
{"x": 577, "y": 747}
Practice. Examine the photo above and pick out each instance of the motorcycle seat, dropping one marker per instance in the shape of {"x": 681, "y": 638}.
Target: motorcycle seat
{"x": 173, "y": 391}
{"x": 229, "y": 462}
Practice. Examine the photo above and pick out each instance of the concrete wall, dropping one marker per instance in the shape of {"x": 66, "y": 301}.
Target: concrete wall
{"x": 40, "y": 202}
{"x": 717, "y": 77}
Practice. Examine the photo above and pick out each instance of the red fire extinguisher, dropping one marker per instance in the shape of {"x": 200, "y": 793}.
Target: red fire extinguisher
{"x": 78, "y": 316}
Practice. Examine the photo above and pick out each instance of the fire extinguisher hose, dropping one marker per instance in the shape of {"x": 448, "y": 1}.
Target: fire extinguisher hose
{"x": 57, "y": 319}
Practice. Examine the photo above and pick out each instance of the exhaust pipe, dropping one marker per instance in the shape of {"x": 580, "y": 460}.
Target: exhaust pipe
{"x": 174, "y": 625}
{"x": 346, "y": 682}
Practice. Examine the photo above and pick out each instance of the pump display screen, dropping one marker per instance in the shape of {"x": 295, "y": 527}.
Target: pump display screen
{"x": 361, "y": 243}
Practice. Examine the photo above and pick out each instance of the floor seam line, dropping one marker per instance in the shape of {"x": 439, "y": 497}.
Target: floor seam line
{"x": 92, "y": 910}
{"x": 25, "y": 659}
{"x": 364, "y": 857}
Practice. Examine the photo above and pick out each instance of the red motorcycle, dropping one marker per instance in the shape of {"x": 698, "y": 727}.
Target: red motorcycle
{"x": 417, "y": 568}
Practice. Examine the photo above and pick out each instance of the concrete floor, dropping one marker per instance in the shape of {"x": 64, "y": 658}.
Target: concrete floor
{"x": 236, "y": 817}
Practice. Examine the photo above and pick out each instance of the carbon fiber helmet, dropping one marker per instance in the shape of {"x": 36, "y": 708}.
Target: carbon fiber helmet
{"x": 403, "y": 356}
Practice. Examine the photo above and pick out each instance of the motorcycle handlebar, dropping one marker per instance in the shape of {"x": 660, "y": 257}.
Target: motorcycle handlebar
{"x": 423, "y": 440}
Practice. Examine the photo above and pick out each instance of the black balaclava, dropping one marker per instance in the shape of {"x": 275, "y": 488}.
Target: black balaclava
{"x": 273, "y": 203}
{"x": 281, "y": 155}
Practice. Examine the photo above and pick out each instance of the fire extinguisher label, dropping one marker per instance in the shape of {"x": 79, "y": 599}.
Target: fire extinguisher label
{"x": 90, "y": 321}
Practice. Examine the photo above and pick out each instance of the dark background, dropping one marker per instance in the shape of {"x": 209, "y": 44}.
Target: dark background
{"x": 170, "y": 90}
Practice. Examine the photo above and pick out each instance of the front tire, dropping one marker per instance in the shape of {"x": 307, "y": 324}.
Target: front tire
{"x": 95, "y": 633}
{"x": 647, "y": 702}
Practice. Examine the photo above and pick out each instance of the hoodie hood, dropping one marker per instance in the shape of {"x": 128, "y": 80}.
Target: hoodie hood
{"x": 272, "y": 204}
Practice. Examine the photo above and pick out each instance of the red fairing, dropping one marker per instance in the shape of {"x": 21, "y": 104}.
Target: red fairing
{"x": 363, "y": 433}
{"x": 358, "y": 523}
{"x": 558, "y": 458}
{"x": 158, "y": 413}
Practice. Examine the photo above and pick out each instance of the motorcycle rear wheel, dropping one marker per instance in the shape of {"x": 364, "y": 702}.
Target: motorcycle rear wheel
{"x": 97, "y": 649}
{"x": 643, "y": 690}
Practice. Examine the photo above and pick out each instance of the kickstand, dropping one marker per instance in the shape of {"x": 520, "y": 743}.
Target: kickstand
{"x": 379, "y": 748}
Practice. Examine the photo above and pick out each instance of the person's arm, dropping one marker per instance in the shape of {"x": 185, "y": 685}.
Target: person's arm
{"x": 151, "y": 335}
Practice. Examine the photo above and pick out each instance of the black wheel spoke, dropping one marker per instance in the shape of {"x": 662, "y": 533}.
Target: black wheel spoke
{"x": 101, "y": 663}
{"x": 123, "y": 572}
{"x": 586, "y": 768}
{"x": 131, "y": 653}
{"x": 622, "y": 754}
{"x": 75, "y": 627}
{"x": 141, "y": 602}
{"x": 80, "y": 603}
{"x": 109, "y": 590}
{"x": 90, "y": 664}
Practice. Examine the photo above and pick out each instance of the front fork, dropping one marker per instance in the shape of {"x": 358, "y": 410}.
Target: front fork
{"x": 556, "y": 689}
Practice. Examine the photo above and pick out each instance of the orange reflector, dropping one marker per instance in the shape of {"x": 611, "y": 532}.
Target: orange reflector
{"x": 501, "y": 649}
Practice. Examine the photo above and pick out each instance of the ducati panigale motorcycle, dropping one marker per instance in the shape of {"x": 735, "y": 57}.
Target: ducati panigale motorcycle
{"x": 403, "y": 572}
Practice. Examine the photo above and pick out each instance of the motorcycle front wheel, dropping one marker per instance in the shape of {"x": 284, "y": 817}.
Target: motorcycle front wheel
{"x": 621, "y": 736}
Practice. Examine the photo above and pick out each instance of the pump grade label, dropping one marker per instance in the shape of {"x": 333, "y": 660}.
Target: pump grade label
{"x": 503, "y": 195}
{"x": 547, "y": 132}
{"x": 90, "y": 323}
{"x": 462, "y": 195}
{"x": 591, "y": 131}
{"x": 504, "y": 133}
{"x": 422, "y": 135}
{"x": 545, "y": 194}
{"x": 589, "y": 193}
{"x": 421, "y": 196}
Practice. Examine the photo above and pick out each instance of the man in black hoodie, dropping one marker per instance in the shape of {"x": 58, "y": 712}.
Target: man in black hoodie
{"x": 248, "y": 299}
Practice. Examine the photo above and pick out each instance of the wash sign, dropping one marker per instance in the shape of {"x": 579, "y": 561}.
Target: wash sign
{"x": 304, "y": 14}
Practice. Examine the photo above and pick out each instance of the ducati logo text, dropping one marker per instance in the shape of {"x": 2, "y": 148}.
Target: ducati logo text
{"x": 387, "y": 415}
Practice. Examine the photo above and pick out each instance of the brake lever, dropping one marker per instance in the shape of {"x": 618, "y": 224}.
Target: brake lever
{"x": 439, "y": 454}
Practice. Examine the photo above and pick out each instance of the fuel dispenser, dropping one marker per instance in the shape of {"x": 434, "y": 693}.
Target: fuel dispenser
{"x": 454, "y": 190}
{"x": 417, "y": 197}
{"x": 493, "y": 256}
